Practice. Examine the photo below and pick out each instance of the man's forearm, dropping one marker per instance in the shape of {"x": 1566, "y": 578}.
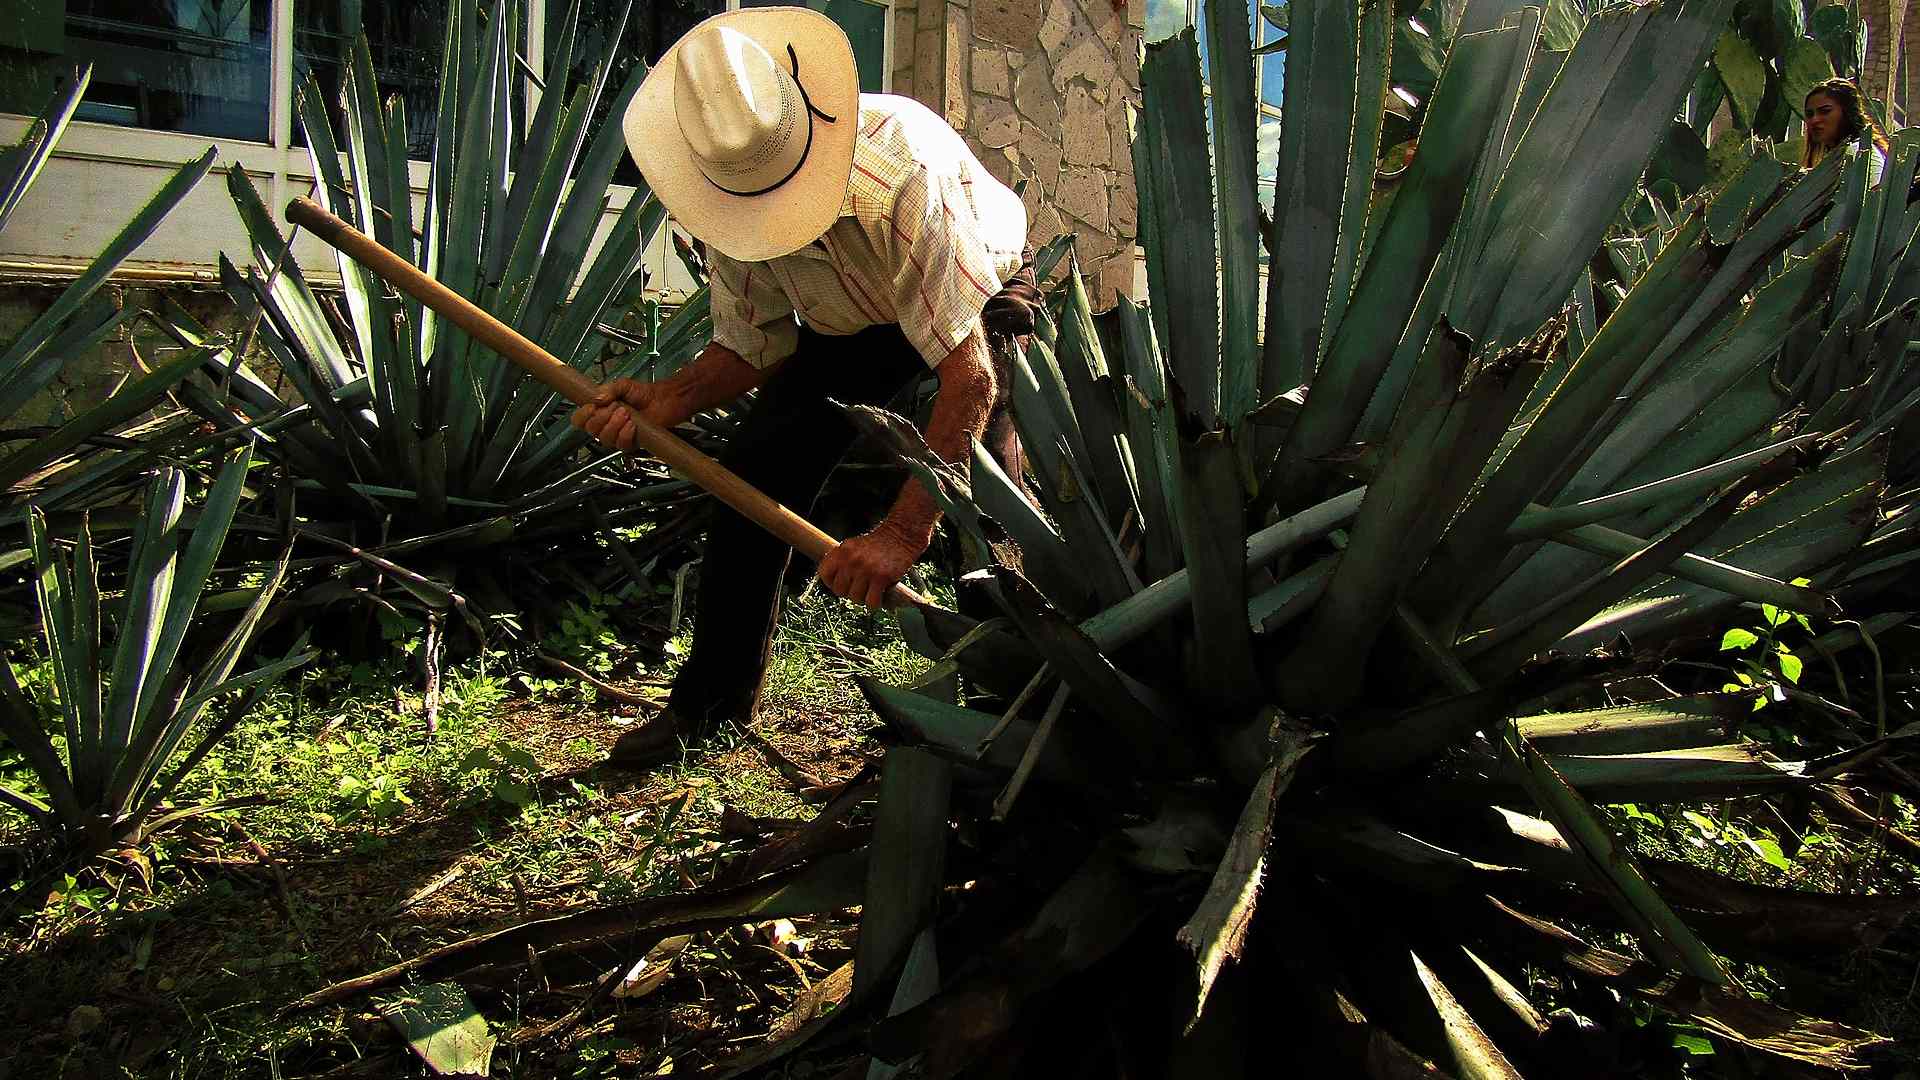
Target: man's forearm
{"x": 718, "y": 375}
{"x": 960, "y": 409}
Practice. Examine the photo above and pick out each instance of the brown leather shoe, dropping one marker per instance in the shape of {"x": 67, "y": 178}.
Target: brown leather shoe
{"x": 662, "y": 739}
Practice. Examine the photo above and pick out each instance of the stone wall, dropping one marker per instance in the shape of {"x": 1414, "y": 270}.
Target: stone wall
{"x": 1887, "y": 24}
{"x": 1041, "y": 90}
{"x": 87, "y": 380}
{"x": 1890, "y": 25}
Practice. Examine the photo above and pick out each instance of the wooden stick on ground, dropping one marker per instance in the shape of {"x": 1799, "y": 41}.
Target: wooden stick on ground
{"x": 571, "y": 383}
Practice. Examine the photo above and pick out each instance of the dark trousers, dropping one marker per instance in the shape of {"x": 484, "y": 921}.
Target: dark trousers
{"x": 787, "y": 446}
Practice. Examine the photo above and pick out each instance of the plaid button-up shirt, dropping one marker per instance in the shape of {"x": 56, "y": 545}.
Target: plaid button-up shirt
{"x": 925, "y": 237}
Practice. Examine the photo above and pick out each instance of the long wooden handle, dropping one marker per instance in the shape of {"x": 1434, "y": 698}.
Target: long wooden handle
{"x": 723, "y": 483}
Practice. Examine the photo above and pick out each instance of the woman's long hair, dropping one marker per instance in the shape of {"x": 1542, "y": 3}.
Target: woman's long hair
{"x": 1855, "y": 118}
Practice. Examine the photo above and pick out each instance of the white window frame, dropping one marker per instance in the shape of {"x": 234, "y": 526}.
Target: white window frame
{"x": 127, "y": 164}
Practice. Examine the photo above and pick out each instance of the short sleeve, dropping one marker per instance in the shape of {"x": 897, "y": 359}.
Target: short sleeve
{"x": 751, "y": 314}
{"x": 943, "y": 273}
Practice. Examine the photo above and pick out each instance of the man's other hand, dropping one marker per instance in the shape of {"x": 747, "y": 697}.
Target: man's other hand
{"x": 609, "y": 416}
{"x": 866, "y": 568}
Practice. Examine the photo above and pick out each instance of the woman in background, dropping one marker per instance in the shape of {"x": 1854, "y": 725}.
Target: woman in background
{"x": 1833, "y": 115}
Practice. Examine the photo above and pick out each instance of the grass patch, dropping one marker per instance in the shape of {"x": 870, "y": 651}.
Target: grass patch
{"x": 376, "y": 839}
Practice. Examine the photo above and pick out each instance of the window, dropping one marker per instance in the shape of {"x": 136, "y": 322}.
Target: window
{"x": 200, "y": 67}
{"x": 229, "y": 69}
{"x": 170, "y": 76}
{"x": 403, "y": 38}
{"x": 865, "y": 22}
{"x": 650, "y": 29}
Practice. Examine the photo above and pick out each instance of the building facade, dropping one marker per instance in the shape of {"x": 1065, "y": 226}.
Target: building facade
{"x": 1039, "y": 88}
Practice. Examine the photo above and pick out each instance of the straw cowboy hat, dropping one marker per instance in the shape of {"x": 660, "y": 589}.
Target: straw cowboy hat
{"x": 745, "y": 129}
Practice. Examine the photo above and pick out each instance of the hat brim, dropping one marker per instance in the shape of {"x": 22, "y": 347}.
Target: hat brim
{"x": 754, "y": 228}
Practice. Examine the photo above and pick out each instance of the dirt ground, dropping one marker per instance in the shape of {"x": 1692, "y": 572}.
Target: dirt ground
{"x": 187, "y": 976}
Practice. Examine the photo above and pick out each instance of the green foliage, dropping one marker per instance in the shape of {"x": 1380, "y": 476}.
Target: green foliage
{"x": 506, "y": 771}
{"x": 128, "y": 693}
{"x": 402, "y": 432}
{"x": 72, "y": 465}
{"x": 1384, "y": 577}
{"x": 1762, "y": 655}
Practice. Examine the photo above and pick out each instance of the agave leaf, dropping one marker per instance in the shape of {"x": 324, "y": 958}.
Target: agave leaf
{"x": 1473, "y": 1052}
{"x": 464, "y": 261}
{"x": 603, "y": 281}
{"x": 1083, "y": 366}
{"x": 104, "y": 476}
{"x": 255, "y": 683}
{"x": 17, "y": 361}
{"x": 546, "y": 185}
{"x": 586, "y": 201}
{"x": 1633, "y": 62}
{"x": 1126, "y": 621}
{"x": 408, "y": 377}
{"x": 905, "y": 863}
{"x": 1365, "y": 845}
{"x": 20, "y": 722}
{"x": 1370, "y": 92}
{"x": 1794, "y": 530}
{"x": 1133, "y": 719}
{"x": 21, "y": 163}
{"x": 1507, "y": 646}
{"x": 37, "y": 812}
{"x": 516, "y": 437}
{"x": 1727, "y": 1013}
{"x": 1694, "y": 379}
{"x": 370, "y": 303}
{"x": 1451, "y": 422}
{"x": 1218, "y": 928}
{"x": 1673, "y": 724}
{"x": 59, "y": 626}
{"x": 455, "y": 45}
{"x": 1177, "y": 221}
{"x": 1741, "y": 418}
{"x": 143, "y": 618}
{"x": 1415, "y": 228}
{"x": 1758, "y": 918}
{"x": 195, "y": 567}
{"x": 1236, "y": 205}
{"x": 87, "y": 756}
{"x": 1377, "y": 746}
{"x": 1142, "y": 383}
{"x": 1045, "y": 557}
{"x": 1056, "y": 471}
{"x": 96, "y": 319}
{"x": 999, "y": 660}
{"x": 1040, "y": 389}
{"x": 291, "y": 301}
{"x": 1291, "y": 598}
{"x": 1602, "y": 863}
{"x": 1207, "y": 497}
{"x": 1691, "y": 286}
{"x": 919, "y": 980}
{"x": 1094, "y": 912}
{"x": 1610, "y": 867}
{"x": 1712, "y": 573}
{"x": 531, "y": 211}
{"x": 1541, "y": 521}
{"x": 1502, "y": 990}
{"x": 175, "y": 728}
{"x": 958, "y": 731}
